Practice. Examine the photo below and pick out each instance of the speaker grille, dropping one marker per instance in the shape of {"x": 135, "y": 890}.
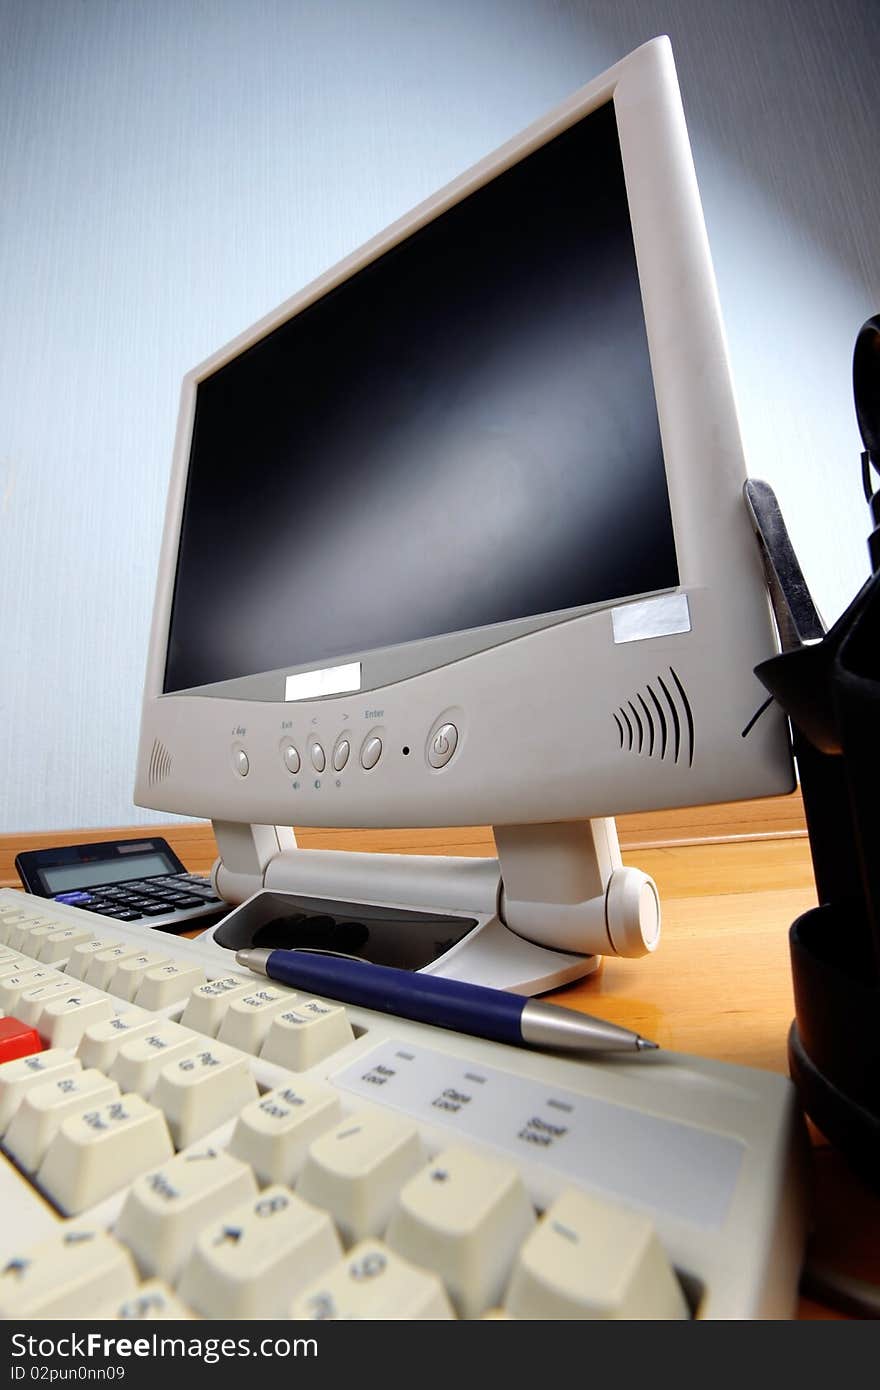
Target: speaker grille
{"x": 658, "y": 721}
{"x": 160, "y": 764}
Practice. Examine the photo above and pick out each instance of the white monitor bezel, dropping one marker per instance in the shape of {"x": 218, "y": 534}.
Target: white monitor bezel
{"x": 189, "y": 753}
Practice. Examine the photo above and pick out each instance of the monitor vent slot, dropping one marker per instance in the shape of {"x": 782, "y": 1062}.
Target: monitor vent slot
{"x": 160, "y": 764}
{"x": 658, "y": 721}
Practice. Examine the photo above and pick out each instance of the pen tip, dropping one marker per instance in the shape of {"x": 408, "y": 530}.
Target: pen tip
{"x": 644, "y": 1045}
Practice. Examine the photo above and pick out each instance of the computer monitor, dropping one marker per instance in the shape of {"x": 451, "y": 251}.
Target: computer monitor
{"x": 455, "y": 536}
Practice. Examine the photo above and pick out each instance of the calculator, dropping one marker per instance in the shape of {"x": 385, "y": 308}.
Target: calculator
{"x": 132, "y": 880}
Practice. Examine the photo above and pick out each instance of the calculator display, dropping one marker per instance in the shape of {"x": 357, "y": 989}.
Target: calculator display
{"x": 62, "y": 877}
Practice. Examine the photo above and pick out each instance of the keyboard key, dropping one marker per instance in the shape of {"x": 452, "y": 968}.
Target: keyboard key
{"x": 17, "y": 1039}
{"x": 126, "y": 978}
{"x": 44, "y": 1108}
{"x": 592, "y": 1259}
{"x": 57, "y": 946}
{"x": 167, "y": 984}
{"x": 207, "y": 1005}
{"x": 13, "y": 986}
{"x": 65, "y": 1017}
{"x": 95, "y": 1154}
{"x": 100, "y": 1043}
{"x": 373, "y": 1283}
{"x": 250, "y": 1263}
{"x": 140, "y": 1060}
{"x": 30, "y": 1005}
{"x": 153, "y": 1301}
{"x": 18, "y": 1077}
{"x": 305, "y": 1034}
{"x": 273, "y": 1133}
{"x": 102, "y": 966}
{"x": 66, "y": 1276}
{"x": 80, "y": 957}
{"x": 356, "y": 1170}
{"x": 197, "y": 1093}
{"x": 30, "y": 938}
{"x": 166, "y": 1208}
{"x": 21, "y": 930}
{"x": 247, "y": 1020}
{"x": 465, "y": 1217}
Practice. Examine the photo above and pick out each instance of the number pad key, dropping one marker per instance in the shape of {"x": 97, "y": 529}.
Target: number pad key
{"x": 357, "y": 1168}
{"x": 373, "y": 1283}
{"x": 465, "y": 1217}
{"x": 248, "y": 1264}
{"x": 166, "y": 1208}
{"x": 593, "y": 1259}
{"x": 274, "y": 1132}
{"x": 153, "y": 1301}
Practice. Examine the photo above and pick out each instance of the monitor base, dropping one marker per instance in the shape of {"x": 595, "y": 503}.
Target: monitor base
{"x": 555, "y": 900}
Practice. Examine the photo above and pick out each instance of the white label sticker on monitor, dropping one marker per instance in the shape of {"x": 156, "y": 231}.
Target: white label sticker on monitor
{"x": 651, "y": 617}
{"x": 329, "y": 680}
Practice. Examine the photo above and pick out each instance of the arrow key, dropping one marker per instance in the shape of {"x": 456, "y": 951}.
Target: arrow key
{"x": 66, "y": 1017}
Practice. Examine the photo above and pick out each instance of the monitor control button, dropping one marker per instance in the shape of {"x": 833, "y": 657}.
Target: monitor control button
{"x": 291, "y": 759}
{"x": 340, "y": 754}
{"x": 242, "y": 766}
{"x": 319, "y": 761}
{"x": 443, "y": 745}
{"x": 371, "y": 752}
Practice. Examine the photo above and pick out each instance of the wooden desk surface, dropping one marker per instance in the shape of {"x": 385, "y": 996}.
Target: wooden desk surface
{"x": 731, "y": 882}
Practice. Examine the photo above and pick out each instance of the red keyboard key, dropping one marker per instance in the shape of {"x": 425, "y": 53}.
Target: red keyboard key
{"x": 17, "y": 1039}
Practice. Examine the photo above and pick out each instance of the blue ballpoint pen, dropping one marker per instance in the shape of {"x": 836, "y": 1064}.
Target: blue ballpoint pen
{"x": 446, "y": 1003}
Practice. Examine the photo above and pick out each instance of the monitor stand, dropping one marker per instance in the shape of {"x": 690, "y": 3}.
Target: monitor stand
{"x": 553, "y": 902}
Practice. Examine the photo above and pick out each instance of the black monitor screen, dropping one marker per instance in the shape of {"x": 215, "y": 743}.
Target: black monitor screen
{"x": 462, "y": 433}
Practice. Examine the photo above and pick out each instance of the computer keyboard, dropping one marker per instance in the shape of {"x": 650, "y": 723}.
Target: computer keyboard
{"x": 182, "y": 1139}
